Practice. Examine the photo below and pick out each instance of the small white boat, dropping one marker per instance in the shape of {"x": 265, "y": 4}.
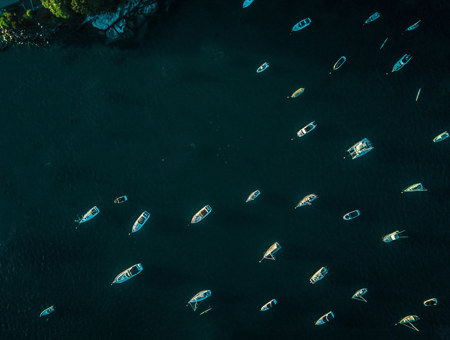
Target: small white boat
{"x": 441, "y": 137}
{"x": 121, "y": 199}
{"x": 201, "y": 214}
{"x": 140, "y": 222}
{"x": 401, "y": 62}
{"x": 306, "y": 200}
{"x": 206, "y": 311}
{"x": 306, "y": 129}
{"x": 128, "y": 273}
{"x": 414, "y": 188}
{"x": 418, "y": 94}
{"x": 373, "y": 17}
{"x": 253, "y": 195}
{"x": 197, "y": 298}
{"x": 318, "y": 275}
{"x": 430, "y": 302}
{"x": 247, "y": 3}
{"x": 384, "y": 42}
{"x": 413, "y": 26}
{"x": 407, "y": 322}
{"x": 263, "y": 67}
{"x": 88, "y": 216}
{"x": 301, "y": 24}
{"x": 339, "y": 63}
{"x": 269, "y": 305}
{"x": 393, "y": 236}
{"x": 325, "y": 318}
{"x": 358, "y": 295}
{"x": 47, "y": 311}
{"x": 360, "y": 148}
{"x": 270, "y": 253}
{"x": 351, "y": 215}
{"x": 297, "y": 93}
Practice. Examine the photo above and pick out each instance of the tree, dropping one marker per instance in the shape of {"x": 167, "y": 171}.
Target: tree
{"x": 59, "y": 8}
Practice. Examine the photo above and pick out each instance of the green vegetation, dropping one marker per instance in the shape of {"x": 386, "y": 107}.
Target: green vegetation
{"x": 16, "y": 19}
{"x": 59, "y": 8}
{"x": 67, "y": 8}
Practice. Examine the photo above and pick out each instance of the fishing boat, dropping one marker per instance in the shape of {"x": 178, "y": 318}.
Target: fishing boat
{"x": 358, "y": 295}
{"x": 121, "y": 199}
{"x": 88, "y": 216}
{"x": 407, "y": 322}
{"x": 318, "y": 275}
{"x": 306, "y": 200}
{"x": 140, "y": 222}
{"x": 360, "y": 148}
{"x": 430, "y": 302}
{"x": 441, "y": 137}
{"x": 351, "y": 215}
{"x": 306, "y": 129}
{"x": 297, "y": 93}
{"x": 418, "y": 94}
{"x": 401, "y": 62}
{"x": 269, "y": 305}
{"x": 339, "y": 63}
{"x": 270, "y": 253}
{"x": 301, "y": 24}
{"x": 253, "y": 195}
{"x": 373, "y": 17}
{"x": 47, "y": 311}
{"x": 263, "y": 67}
{"x": 384, "y": 42}
{"x": 197, "y": 298}
{"x": 201, "y": 214}
{"x": 325, "y": 318}
{"x": 128, "y": 273}
{"x": 393, "y": 236}
{"x": 414, "y": 188}
{"x": 413, "y": 26}
{"x": 247, "y": 3}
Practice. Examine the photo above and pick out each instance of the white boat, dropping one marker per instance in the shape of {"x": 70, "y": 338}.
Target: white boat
{"x": 197, "y": 298}
{"x": 269, "y": 305}
{"x": 306, "y": 129}
{"x": 441, "y": 137}
{"x": 373, "y": 17}
{"x": 201, "y": 214}
{"x": 325, "y": 318}
{"x": 384, "y": 42}
{"x": 263, "y": 67}
{"x": 430, "y": 302}
{"x": 414, "y": 187}
{"x": 358, "y": 295}
{"x": 301, "y": 24}
{"x": 360, "y": 148}
{"x": 418, "y": 94}
{"x": 339, "y": 63}
{"x": 413, "y": 26}
{"x": 407, "y": 322}
{"x": 140, "y": 222}
{"x": 401, "y": 62}
{"x": 306, "y": 200}
{"x": 247, "y": 3}
{"x": 128, "y": 273}
{"x": 393, "y": 236}
{"x": 297, "y": 93}
{"x": 121, "y": 199}
{"x": 47, "y": 311}
{"x": 270, "y": 253}
{"x": 88, "y": 216}
{"x": 318, "y": 275}
{"x": 351, "y": 215}
{"x": 253, "y": 195}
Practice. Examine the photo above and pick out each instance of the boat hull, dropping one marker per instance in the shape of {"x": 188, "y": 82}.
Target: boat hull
{"x": 439, "y": 138}
{"x": 301, "y": 24}
{"x": 143, "y": 218}
{"x": 123, "y": 276}
{"x": 201, "y": 214}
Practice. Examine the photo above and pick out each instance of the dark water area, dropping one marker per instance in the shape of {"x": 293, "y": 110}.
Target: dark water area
{"x": 178, "y": 118}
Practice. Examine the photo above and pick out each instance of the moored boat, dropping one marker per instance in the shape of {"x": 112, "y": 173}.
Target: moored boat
{"x": 128, "y": 273}
{"x": 407, "y": 322}
{"x": 325, "y": 318}
{"x": 413, "y": 26}
{"x": 297, "y": 93}
{"x": 414, "y": 188}
{"x": 47, "y": 311}
{"x": 384, "y": 42}
{"x": 197, "y": 298}
{"x": 306, "y": 129}
{"x": 301, "y": 24}
{"x": 418, "y": 94}
{"x": 88, "y": 216}
{"x": 351, "y": 215}
{"x": 440, "y": 137}
{"x": 306, "y": 200}
{"x": 270, "y": 253}
{"x": 263, "y": 67}
{"x": 358, "y": 295}
{"x": 430, "y": 302}
{"x": 268, "y": 305}
{"x": 373, "y": 17}
{"x": 247, "y": 3}
{"x": 253, "y": 195}
{"x": 339, "y": 63}
{"x": 201, "y": 214}
{"x": 360, "y": 148}
{"x": 318, "y": 275}
{"x": 393, "y": 236}
{"x": 121, "y": 199}
{"x": 401, "y": 62}
{"x": 140, "y": 222}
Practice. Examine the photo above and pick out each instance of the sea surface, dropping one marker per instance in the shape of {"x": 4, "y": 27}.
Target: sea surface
{"x": 177, "y": 118}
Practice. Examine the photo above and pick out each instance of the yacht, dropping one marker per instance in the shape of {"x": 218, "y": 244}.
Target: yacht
{"x": 301, "y": 24}
{"x": 201, "y": 214}
{"x": 360, "y": 148}
{"x": 297, "y": 93}
{"x": 413, "y": 26}
{"x": 414, "y": 188}
{"x": 407, "y": 322}
{"x": 88, "y": 216}
{"x": 319, "y": 275}
{"x": 373, "y": 17}
{"x": 358, "y": 295}
{"x": 197, "y": 298}
{"x": 351, "y": 215}
{"x": 268, "y": 305}
{"x": 270, "y": 253}
{"x": 441, "y": 137}
{"x": 47, "y": 311}
{"x": 393, "y": 236}
{"x": 325, "y": 318}
{"x": 128, "y": 274}
{"x": 430, "y": 302}
{"x": 306, "y": 200}
{"x": 121, "y": 199}
{"x": 253, "y": 195}
{"x": 140, "y": 222}
{"x": 263, "y": 67}
{"x": 306, "y": 129}
{"x": 401, "y": 62}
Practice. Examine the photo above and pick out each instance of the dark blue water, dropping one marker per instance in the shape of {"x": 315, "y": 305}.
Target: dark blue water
{"x": 177, "y": 119}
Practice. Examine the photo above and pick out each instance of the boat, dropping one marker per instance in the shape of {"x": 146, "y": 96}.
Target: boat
{"x": 128, "y": 273}
{"x": 247, "y": 3}
{"x": 88, "y": 216}
{"x": 306, "y": 129}
{"x": 201, "y": 214}
{"x": 253, "y": 195}
{"x": 318, "y": 275}
{"x": 441, "y": 137}
{"x": 301, "y": 25}
{"x": 401, "y": 62}
{"x": 297, "y": 93}
{"x": 413, "y": 26}
{"x": 47, "y": 311}
{"x": 206, "y": 311}
{"x": 325, "y": 318}
{"x": 339, "y": 63}
{"x": 360, "y": 148}
{"x": 263, "y": 67}
{"x": 270, "y": 253}
{"x": 384, "y": 42}
{"x": 358, "y": 295}
{"x": 306, "y": 200}
{"x": 269, "y": 305}
{"x": 373, "y": 17}
{"x": 418, "y": 94}
{"x": 197, "y": 298}
{"x": 430, "y": 302}
{"x": 414, "y": 187}
{"x": 140, "y": 222}
{"x": 408, "y": 320}
{"x": 121, "y": 199}
{"x": 351, "y": 215}
{"x": 393, "y": 236}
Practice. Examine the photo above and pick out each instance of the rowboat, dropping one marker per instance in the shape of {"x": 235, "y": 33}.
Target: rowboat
{"x": 401, "y": 62}
{"x": 418, "y": 94}
{"x": 351, "y": 215}
{"x": 88, "y": 216}
{"x": 121, "y": 199}
{"x": 268, "y": 305}
{"x": 413, "y": 26}
{"x": 360, "y": 148}
{"x": 408, "y": 320}
{"x": 318, "y": 275}
{"x": 47, "y": 311}
{"x": 430, "y": 302}
{"x": 128, "y": 274}
{"x": 201, "y": 214}
{"x": 358, "y": 295}
{"x": 297, "y": 93}
{"x": 393, "y": 236}
{"x": 247, "y": 3}
{"x": 270, "y": 253}
{"x": 441, "y": 137}
{"x": 197, "y": 298}
{"x": 306, "y": 200}
{"x": 301, "y": 24}
{"x": 414, "y": 188}
{"x": 384, "y": 42}
{"x": 306, "y": 129}
{"x": 325, "y": 318}
{"x": 253, "y": 195}
{"x": 263, "y": 67}
{"x": 140, "y": 222}
{"x": 373, "y": 17}
{"x": 339, "y": 63}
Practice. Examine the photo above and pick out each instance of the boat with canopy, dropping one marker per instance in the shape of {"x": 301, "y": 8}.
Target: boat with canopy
{"x": 325, "y": 318}
{"x": 393, "y": 236}
{"x": 268, "y": 305}
{"x": 270, "y": 253}
{"x": 263, "y": 67}
{"x": 247, "y": 3}
{"x": 360, "y": 148}
{"x": 306, "y": 200}
{"x": 137, "y": 225}
{"x": 201, "y": 214}
{"x": 414, "y": 188}
{"x": 197, "y": 298}
{"x": 301, "y": 25}
{"x": 88, "y": 216}
{"x": 408, "y": 320}
{"x": 373, "y": 17}
{"x": 318, "y": 275}
{"x": 296, "y": 93}
{"x": 359, "y": 295}
{"x": 401, "y": 62}
{"x": 121, "y": 199}
{"x": 351, "y": 215}
{"x": 306, "y": 129}
{"x": 253, "y": 195}
{"x": 128, "y": 273}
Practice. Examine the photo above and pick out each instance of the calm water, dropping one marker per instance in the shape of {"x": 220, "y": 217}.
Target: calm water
{"x": 178, "y": 118}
